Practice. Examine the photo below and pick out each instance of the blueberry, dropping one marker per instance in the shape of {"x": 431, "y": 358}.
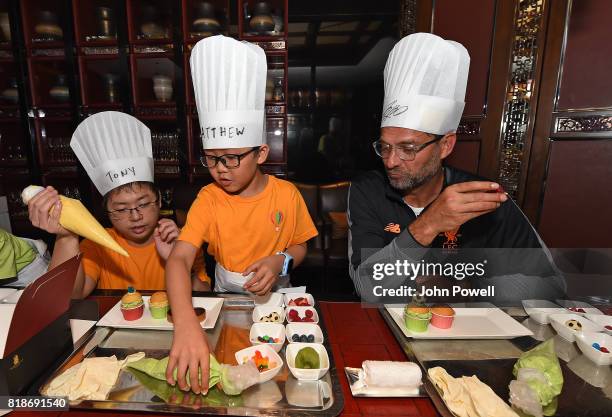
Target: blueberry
{"x": 303, "y": 338}
{"x": 310, "y": 338}
{"x": 295, "y": 337}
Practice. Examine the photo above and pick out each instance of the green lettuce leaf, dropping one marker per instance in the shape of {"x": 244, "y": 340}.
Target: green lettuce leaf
{"x": 156, "y": 368}
{"x": 544, "y": 359}
{"x": 174, "y": 395}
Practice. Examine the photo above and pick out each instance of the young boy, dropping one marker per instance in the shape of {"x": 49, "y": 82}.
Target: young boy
{"x": 256, "y": 225}
{"x": 107, "y": 143}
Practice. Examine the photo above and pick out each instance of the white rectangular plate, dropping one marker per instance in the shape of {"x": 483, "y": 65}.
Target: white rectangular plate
{"x": 469, "y": 323}
{"x": 114, "y": 318}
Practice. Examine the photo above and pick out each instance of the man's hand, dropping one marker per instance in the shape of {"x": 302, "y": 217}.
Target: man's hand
{"x": 165, "y": 235}
{"x": 189, "y": 352}
{"x": 44, "y": 210}
{"x": 265, "y": 275}
{"x": 457, "y": 204}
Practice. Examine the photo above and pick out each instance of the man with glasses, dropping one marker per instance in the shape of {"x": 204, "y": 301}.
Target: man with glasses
{"x": 256, "y": 225}
{"x": 115, "y": 150}
{"x": 418, "y": 202}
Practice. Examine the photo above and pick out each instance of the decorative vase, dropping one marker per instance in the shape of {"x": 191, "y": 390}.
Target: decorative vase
{"x": 162, "y": 87}
{"x": 112, "y": 87}
{"x": 278, "y": 20}
{"x": 205, "y": 23}
{"x": 151, "y": 28}
{"x": 262, "y": 20}
{"x": 269, "y": 89}
{"x": 279, "y": 94}
{"x": 48, "y": 26}
{"x": 5, "y": 26}
{"x": 59, "y": 92}
{"x": 106, "y": 22}
{"x": 11, "y": 95}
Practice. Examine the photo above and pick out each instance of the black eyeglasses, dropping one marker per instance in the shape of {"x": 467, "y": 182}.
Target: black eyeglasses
{"x": 124, "y": 213}
{"x": 404, "y": 152}
{"x": 229, "y": 160}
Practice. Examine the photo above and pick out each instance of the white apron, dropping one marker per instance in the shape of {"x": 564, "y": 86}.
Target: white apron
{"x": 228, "y": 281}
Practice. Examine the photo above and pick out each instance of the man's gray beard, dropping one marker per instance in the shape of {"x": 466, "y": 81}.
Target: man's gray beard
{"x": 410, "y": 182}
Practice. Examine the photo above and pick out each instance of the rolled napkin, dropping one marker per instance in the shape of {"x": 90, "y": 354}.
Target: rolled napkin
{"x": 390, "y": 374}
{"x": 388, "y": 379}
{"x": 76, "y": 218}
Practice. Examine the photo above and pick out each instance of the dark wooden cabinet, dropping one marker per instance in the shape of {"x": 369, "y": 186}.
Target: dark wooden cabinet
{"x": 69, "y": 59}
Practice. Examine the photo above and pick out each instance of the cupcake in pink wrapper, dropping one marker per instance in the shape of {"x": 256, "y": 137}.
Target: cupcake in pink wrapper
{"x": 132, "y": 305}
{"x": 442, "y": 317}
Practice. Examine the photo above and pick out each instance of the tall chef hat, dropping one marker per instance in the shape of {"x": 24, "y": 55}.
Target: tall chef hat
{"x": 229, "y": 80}
{"x": 114, "y": 148}
{"x": 425, "y": 81}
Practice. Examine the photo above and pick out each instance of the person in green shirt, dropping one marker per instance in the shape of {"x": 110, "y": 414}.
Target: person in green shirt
{"x": 21, "y": 260}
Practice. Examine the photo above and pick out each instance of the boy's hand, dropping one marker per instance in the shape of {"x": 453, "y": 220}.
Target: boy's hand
{"x": 44, "y": 210}
{"x": 266, "y": 274}
{"x": 165, "y": 235}
{"x": 189, "y": 353}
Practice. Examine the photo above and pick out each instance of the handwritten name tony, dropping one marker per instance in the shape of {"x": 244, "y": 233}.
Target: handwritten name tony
{"x": 121, "y": 173}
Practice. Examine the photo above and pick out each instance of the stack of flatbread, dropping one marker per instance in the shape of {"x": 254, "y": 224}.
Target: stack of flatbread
{"x": 91, "y": 379}
{"x": 468, "y": 396}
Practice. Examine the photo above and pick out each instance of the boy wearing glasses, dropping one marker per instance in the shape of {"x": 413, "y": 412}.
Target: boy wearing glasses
{"x": 256, "y": 225}
{"x": 419, "y": 203}
{"x": 115, "y": 150}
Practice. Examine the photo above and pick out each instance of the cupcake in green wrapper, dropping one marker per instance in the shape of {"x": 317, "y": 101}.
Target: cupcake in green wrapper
{"x": 158, "y": 305}
{"x": 416, "y": 318}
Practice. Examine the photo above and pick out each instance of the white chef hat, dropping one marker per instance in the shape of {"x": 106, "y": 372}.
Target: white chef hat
{"x": 425, "y": 81}
{"x": 115, "y": 149}
{"x": 229, "y": 80}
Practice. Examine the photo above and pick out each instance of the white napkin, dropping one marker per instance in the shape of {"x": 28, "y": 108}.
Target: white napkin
{"x": 388, "y": 379}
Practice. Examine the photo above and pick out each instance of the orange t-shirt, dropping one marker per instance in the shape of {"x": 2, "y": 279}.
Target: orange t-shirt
{"x": 242, "y": 230}
{"x": 143, "y": 270}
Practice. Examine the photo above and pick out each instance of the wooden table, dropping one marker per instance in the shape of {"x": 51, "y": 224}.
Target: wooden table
{"x": 355, "y": 334}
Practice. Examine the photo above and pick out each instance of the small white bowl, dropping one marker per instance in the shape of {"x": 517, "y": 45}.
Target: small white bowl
{"x": 302, "y": 312}
{"x": 261, "y": 311}
{"x": 274, "y": 330}
{"x": 265, "y": 351}
{"x": 307, "y": 374}
{"x": 293, "y": 296}
{"x": 558, "y": 323}
{"x": 588, "y": 309}
{"x": 272, "y": 299}
{"x": 304, "y": 328}
{"x": 308, "y": 393}
{"x": 539, "y": 310}
{"x": 585, "y": 343}
{"x": 602, "y": 320}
